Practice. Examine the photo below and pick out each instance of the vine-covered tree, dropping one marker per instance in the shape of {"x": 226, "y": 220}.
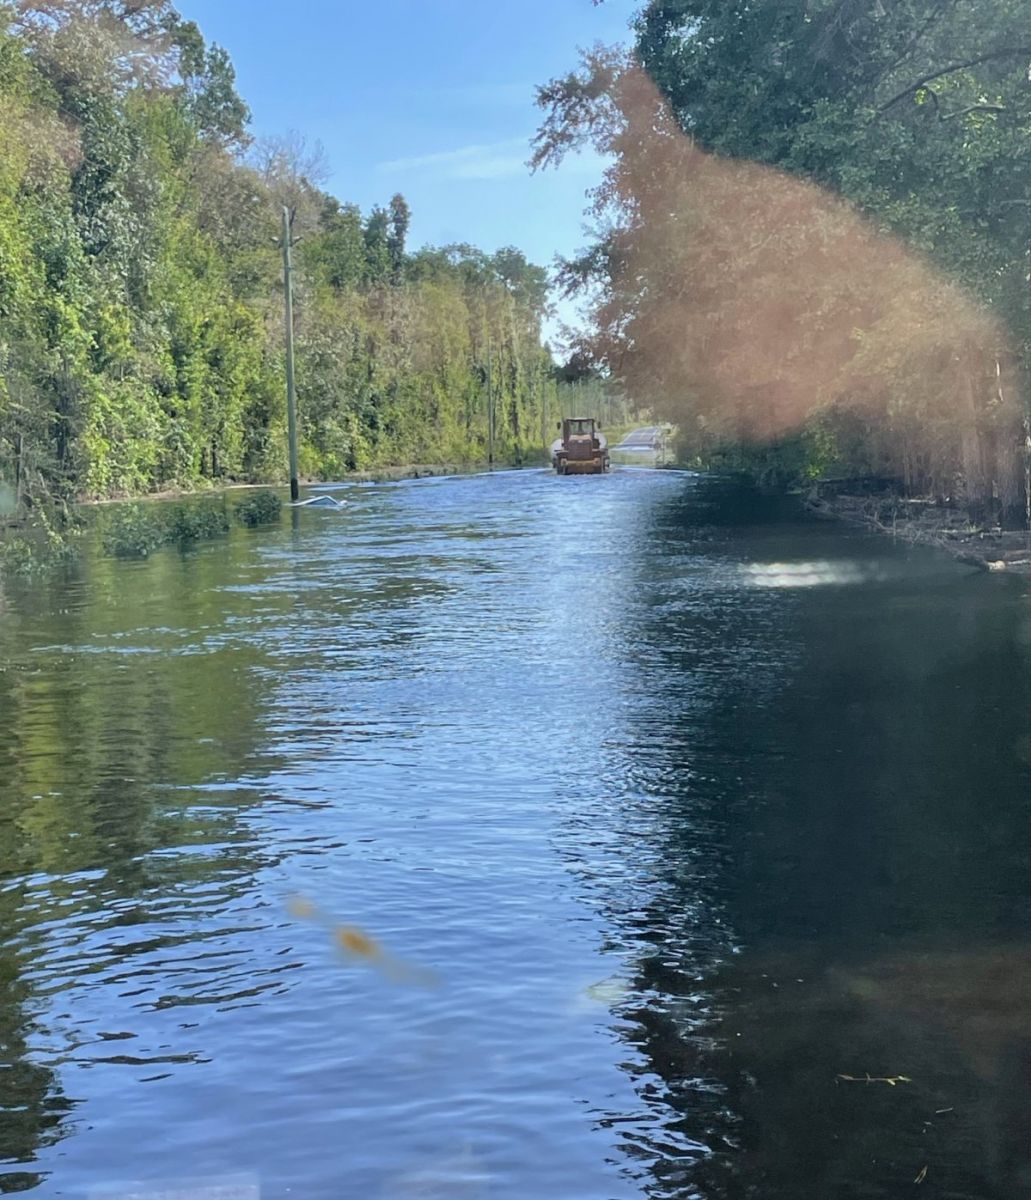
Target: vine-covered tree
{"x": 400, "y": 217}
{"x": 140, "y": 281}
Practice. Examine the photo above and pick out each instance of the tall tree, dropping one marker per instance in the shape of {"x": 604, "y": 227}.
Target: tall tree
{"x": 400, "y": 217}
{"x": 915, "y": 112}
{"x": 140, "y": 282}
{"x": 377, "y": 246}
{"x": 209, "y": 86}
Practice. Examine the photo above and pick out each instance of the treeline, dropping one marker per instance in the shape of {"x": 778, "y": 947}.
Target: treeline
{"x": 141, "y": 326}
{"x": 813, "y": 251}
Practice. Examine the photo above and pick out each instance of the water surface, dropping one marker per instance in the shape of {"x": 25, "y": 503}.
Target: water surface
{"x": 669, "y": 807}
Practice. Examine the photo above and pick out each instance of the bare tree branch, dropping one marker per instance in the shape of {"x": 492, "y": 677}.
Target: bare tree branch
{"x": 973, "y": 108}
{"x": 960, "y": 66}
{"x": 936, "y": 14}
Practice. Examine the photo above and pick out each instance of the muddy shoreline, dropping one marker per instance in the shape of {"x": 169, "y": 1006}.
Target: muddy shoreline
{"x": 926, "y": 522}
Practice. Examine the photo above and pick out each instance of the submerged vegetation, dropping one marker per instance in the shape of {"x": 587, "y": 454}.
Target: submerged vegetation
{"x": 260, "y": 508}
{"x": 140, "y": 308}
{"x": 137, "y": 530}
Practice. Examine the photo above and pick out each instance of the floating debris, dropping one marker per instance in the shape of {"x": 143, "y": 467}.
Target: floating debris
{"x": 356, "y": 944}
{"x": 319, "y": 502}
{"x": 891, "y": 1080}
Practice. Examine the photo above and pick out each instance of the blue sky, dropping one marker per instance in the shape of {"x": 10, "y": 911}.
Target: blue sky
{"x": 432, "y": 98}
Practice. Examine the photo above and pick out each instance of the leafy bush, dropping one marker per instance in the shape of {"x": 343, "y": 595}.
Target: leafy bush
{"x": 197, "y": 522}
{"x": 27, "y": 557}
{"x": 137, "y": 530}
{"x": 18, "y": 556}
{"x": 134, "y": 531}
{"x": 48, "y": 540}
{"x": 260, "y": 508}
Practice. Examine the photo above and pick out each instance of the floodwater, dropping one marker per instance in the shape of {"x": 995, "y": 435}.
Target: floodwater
{"x": 524, "y": 838}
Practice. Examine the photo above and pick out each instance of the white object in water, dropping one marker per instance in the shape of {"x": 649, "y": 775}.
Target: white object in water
{"x": 319, "y": 502}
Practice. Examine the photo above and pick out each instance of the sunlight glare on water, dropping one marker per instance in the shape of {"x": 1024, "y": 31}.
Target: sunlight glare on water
{"x": 809, "y": 574}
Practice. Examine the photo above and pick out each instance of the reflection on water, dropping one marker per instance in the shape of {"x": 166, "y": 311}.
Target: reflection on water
{"x": 697, "y": 813}
{"x": 810, "y": 574}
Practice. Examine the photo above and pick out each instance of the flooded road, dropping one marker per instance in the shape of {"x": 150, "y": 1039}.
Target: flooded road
{"x": 519, "y": 837}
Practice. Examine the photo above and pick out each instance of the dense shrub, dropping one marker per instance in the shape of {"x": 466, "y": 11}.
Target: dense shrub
{"x": 188, "y": 523}
{"x": 134, "y": 531}
{"x": 259, "y": 508}
{"x": 137, "y": 530}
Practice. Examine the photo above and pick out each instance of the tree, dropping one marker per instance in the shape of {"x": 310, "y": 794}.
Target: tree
{"x": 336, "y": 253}
{"x": 291, "y": 171}
{"x": 377, "y": 246}
{"x": 525, "y": 281}
{"x": 140, "y": 282}
{"x": 915, "y": 113}
{"x": 209, "y": 87}
{"x": 400, "y": 217}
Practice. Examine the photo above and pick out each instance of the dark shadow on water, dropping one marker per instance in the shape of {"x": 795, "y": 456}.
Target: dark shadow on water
{"x": 836, "y": 785}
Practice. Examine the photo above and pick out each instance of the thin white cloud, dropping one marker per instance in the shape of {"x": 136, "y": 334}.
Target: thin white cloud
{"x": 487, "y": 160}
{"x": 500, "y": 94}
{"x": 492, "y": 94}
{"x": 493, "y": 166}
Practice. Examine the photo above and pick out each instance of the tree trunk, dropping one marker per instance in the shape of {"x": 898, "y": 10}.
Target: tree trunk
{"x": 976, "y": 479}
{"x": 1009, "y": 477}
{"x": 1010, "y": 455}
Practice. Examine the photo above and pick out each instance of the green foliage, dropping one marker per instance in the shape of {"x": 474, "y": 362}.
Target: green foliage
{"x": 18, "y": 556}
{"x": 134, "y": 531}
{"x": 731, "y": 279}
{"x": 35, "y": 552}
{"x": 141, "y": 340}
{"x": 259, "y": 508}
{"x": 189, "y": 522}
{"x": 916, "y": 111}
{"x": 335, "y": 254}
{"x": 788, "y": 462}
{"x": 377, "y": 247}
{"x": 400, "y": 218}
{"x": 36, "y": 547}
{"x": 137, "y": 530}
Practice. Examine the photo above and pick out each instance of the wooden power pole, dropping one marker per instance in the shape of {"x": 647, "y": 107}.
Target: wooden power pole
{"x": 291, "y": 388}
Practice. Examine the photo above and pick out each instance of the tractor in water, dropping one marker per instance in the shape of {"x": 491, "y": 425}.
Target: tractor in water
{"x": 582, "y": 448}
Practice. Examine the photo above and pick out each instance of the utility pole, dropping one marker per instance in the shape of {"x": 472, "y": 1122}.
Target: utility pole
{"x": 291, "y": 389}
{"x": 543, "y": 389}
{"x": 490, "y": 408}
